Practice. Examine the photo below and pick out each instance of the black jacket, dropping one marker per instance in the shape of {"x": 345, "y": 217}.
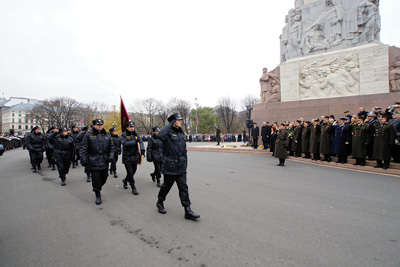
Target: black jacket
{"x": 74, "y": 136}
{"x": 255, "y": 132}
{"x": 35, "y": 142}
{"x": 49, "y": 144}
{"x": 130, "y": 149}
{"x": 117, "y": 144}
{"x": 174, "y": 150}
{"x": 97, "y": 150}
{"x": 64, "y": 146}
{"x": 154, "y": 149}
{"x": 265, "y": 132}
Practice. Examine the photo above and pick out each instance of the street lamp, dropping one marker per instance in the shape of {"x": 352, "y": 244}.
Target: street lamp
{"x": 196, "y": 116}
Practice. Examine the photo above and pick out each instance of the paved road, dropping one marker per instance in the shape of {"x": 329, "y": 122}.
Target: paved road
{"x": 252, "y": 214}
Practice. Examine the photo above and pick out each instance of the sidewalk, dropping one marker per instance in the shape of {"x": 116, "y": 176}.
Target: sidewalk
{"x": 235, "y": 147}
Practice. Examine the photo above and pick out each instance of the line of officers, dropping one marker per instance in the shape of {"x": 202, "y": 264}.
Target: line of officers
{"x": 97, "y": 150}
{"x": 374, "y": 137}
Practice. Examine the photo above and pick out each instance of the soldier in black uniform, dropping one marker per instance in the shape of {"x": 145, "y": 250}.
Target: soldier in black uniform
{"x": 64, "y": 152}
{"x": 384, "y": 136}
{"x": 174, "y": 165}
{"x": 371, "y": 120}
{"x": 296, "y": 141}
{"x": 255, "y": 133}
{"x": 265, "y": 134}
{"x": 326, "y": 139}
{"x": 35, "y": 143}
{"x": 117, "y": 151}
{"x": 133, "y": 149}
{"x": 74, "y": 135}
{"x": 315, "y": 135}
{"x": 79, "y": 139}
{"x": 305, "y": 140}
{"x": 49, "y": 145}
{"x": 217, "y": 136}
{"x": 361, "y": 138}
{"x": 154, "y": 154}
{"x": 97, "y": 150}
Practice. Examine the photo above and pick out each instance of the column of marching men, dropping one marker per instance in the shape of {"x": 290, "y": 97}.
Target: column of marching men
{"x": 98, "y": 150}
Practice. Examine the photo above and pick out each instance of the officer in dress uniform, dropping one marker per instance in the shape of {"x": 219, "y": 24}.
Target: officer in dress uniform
{"x": 371, "y": 120}
{"x": 35, "y": 143}
{"x": 305, "y": 139}
{"x": 315, "y": 135}
{"x": 296, "y": 141}
{"x": 64, "y": 152}
{"x": 361, "y": 138}
{"x": 154, "y": 154}
{"x": 132, "y": 151}
{"x": 340, "y": 140}
{"x": 97, "y": 150}
{"x": 117, "y": 151}
{"x": 384, "y": 136}
{"x": 174, "y": 165}
{"x": 326, "y": 139}
{"x": 281, "y": 144}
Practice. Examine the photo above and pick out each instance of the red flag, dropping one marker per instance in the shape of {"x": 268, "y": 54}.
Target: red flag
{"x": 124, "y": 116}
{"x": 197, "y": 119}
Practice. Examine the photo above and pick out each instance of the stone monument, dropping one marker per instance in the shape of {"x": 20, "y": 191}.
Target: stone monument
{"x": 332, "y": 60}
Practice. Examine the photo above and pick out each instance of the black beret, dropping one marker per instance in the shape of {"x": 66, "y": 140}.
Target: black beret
{"x": 130, "y": 124}
{"x": 174, "y": 116}
{"x": 98, "y": 121}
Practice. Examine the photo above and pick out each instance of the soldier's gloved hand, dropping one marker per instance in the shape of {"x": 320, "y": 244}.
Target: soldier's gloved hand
{"x": 347, "y": 143}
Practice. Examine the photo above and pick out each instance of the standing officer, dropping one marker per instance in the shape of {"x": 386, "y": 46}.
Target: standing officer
{"x": 64, "y": 152}
{"x": 255, "y": 133}
{"x": 131, "y": 154}
{"x": 97, "y": 150}
{"x": 305, "y": 140}
{"x": 282, "y": 141}
{"x": 340, "y": 140}
{"x": 50, "y": 148}
{"x": 154, "y": 154}
{"x": 315, "y": 135}
{"x": 35, "y": 143}
{"x": 217, "y": 136}
{"x": 174, "y": 165}
{"x": 326, "y": 139}
{"x": 296, "y": 141}
{"x": 360, "y": 141}
{"x": 384, "y": 136}
{"x": 117, "y": 151}
{"x": 265, "y": 133}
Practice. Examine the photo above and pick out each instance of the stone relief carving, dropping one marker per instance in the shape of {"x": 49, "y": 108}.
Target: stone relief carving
{"x": 270, "y": 86}
{"x": 330, "y": 77}
{"x": 325, "y": 25}
{"x": 394, "y": 75}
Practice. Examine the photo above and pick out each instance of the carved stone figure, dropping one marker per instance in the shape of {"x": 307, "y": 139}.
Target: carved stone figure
{"x": 314, "y": 40}
{"x": 368, "y": 20}
{"x": 394, "y": 75}
{"x": 284, "y": 40}
{"x": 269, "y": 85}
{"x": 330, "y": 21}
{"x": 295, "y": 34}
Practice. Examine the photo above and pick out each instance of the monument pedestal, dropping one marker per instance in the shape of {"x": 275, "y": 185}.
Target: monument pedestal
{"x": 310, "y": 109}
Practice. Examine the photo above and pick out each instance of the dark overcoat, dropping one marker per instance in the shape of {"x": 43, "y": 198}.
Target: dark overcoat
{"x": 282, "y": 141}
{"x": 296, "y": 141}
{"x": 325, "y": 139}
{"x": 360, "y": 137}
{"x": 340, "y": 139}
{"x": 315, "y": 135}
{"x": 305, "y": 139}
{"x": 384, "y": 136}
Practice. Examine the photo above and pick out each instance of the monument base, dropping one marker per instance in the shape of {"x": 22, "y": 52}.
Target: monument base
{"x": 310, "y": 109}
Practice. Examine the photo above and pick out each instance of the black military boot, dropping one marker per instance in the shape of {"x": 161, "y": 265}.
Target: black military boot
{"x": 283, "y": 163}
{"x": 153, "y": 177}
{"x": 111, "y": 172}
{"x": 88, "y": 177}
{"x": 33, "y": 169}
{"x": 158, "y": 182}
{"x": 115, "y": 174}
{"x": 73, "y": 165}
{"x": 49, "y": 166}
{"x": 134, "y": 191}
{"x": 98, "y": 197}
{"x": 76, "y": 163}
{"x": 54, "y": 168}
{"x": 38, "y": 167}
{"x": 160, "y": 207}
{"x": 63, "y": 182}
{"x": 125, "y": 184}
{"x": 190, "y": 215}
{"x": 280, "y": 163}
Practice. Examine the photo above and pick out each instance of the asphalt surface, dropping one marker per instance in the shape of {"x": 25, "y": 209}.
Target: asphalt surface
{"x": 253, "y": 213}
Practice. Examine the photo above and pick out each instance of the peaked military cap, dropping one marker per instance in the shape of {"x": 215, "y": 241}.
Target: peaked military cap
{"x": 63, "y": 129}
{"x": 34, "y": 128}
{"x": 371, "y": 114}
{"x": 112, "y": 130}
{"x": 74, "y": 126}
{"x": 130, "y": 124}
{"x": 174, "y": 116}
{"x": 156, "y": 129}
{"x": 85, "y": 128}
{"x": 98, "y": 121}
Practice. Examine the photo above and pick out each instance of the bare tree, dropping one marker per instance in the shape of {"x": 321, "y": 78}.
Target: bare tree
{"x": 226, "y": 111}
{"x": 248, "y": 103}
{"x": 162, "y": 112}
{"x": 146, "y": 113}
{"x": 182, "y": 107}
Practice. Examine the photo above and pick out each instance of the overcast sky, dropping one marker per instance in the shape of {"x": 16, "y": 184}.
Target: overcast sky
{"x": 98, "y": 50}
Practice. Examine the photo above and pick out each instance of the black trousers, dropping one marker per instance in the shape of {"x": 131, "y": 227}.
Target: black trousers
{"x": 36, "y": 158}
{"x": 157, "y": 169}
{"x": 169, "y": 181}
{"x": 63, "y": 168}
{"x": 99, "y": 179}
{"x": 385, "y": 163}
{"x": 255, "y": 142}
{"x": 113, "y": 164}
{"x": 265, "y": 144}
{"x": 49, "y": 155}
{"x": 130, "y": 172}
{"x": 77, "y": 156}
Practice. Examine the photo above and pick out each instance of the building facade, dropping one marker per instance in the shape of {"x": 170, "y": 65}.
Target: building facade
{"x": 17, "y": 117}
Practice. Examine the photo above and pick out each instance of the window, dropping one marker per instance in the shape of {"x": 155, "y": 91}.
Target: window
{"x": 12, "y": 120}
{"x": 26, "y": 127}
{"x": 19, "y": 115}
{"x": 19, "y": 127}
{"x": 12, "y": 115}
{"x": 19, "y": 120}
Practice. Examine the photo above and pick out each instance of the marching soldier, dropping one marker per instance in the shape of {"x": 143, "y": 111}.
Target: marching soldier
{"x": 35, "y": 143}
{"x": 174, "y": 165}
{"x": 384, "y": 136}
{"x": 325, "y": 139}
{"x": 315, "y": 135}
{"x": 133, "y": 149}
{"x": 49, "y": 145}
{"x": 79, "y": 139}
{"x": 360, "y": 141}
{"x": 64, "y": 152}
{"x": 155, "y": 155}
{"x": 117, "y": 151}
{"x": 97, "y": 150}
{"x": 340, "y": 140}
{"x": 74, "y": 135}
{"x": 305, "y": 140}
{"x": 282, "y": 141}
